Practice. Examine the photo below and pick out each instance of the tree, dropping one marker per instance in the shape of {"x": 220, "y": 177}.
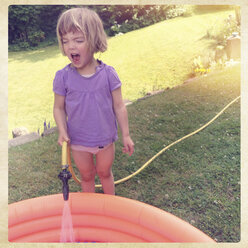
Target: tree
{"x": 29, "y": 25}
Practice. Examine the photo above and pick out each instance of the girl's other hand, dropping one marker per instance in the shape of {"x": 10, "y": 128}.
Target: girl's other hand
{"x": 128, "y": 145}
{"x": 62, "y": 138}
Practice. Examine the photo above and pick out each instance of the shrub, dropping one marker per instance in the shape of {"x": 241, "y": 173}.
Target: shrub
{"x": 220, "y": 31}
{"x": 30, "y": 25}
{"x": 36, "y": 37}
{"x": 27, "y": 27}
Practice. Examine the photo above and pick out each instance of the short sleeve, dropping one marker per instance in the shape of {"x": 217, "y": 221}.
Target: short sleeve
{"x": 58, "y": 84}
{"x": 114, "y": 81}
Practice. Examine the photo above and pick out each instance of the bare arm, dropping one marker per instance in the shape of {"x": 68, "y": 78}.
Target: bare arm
{"x": 122, "y": 118}
{"x": 60, "y": 118}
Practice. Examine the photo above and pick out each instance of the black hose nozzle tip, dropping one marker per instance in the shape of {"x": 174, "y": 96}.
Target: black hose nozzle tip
{"x": 64, "y": 176}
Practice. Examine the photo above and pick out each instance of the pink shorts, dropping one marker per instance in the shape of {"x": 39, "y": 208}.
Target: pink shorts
{"x": 93, "y": 150}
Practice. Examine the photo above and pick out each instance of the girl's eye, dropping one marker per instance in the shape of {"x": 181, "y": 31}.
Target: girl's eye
{"x": 80, "y": 41}
{"x": 64, "y": 42}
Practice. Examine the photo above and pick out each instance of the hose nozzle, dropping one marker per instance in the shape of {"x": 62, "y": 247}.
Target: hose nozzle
{"x": 64, "y": 176}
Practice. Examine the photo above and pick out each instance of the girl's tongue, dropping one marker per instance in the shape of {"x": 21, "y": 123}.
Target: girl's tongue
{"x": 75, "y": 58}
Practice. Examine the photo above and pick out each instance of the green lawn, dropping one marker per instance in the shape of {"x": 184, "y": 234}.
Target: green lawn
{"x": 155, "y": 57}
{"x": 197, "y": 180}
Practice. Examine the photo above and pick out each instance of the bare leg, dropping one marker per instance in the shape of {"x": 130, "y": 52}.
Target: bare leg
{"x": 104, "y": 161}
{"x": 85, "y": 164}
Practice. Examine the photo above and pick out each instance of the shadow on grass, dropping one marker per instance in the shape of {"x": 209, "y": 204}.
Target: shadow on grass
{"x": 35, "y": 55}
{"x": 205, "y": 9}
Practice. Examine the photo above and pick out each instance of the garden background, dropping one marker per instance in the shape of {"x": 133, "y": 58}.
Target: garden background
{"x": 152, "y": 48}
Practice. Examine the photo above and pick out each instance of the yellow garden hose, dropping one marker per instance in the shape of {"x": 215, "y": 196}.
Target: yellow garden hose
{"x": 64, "y": 155}
{"x": 151, "y": 159}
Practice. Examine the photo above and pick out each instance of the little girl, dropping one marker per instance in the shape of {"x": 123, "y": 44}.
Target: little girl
{"x": 88, "y": 99}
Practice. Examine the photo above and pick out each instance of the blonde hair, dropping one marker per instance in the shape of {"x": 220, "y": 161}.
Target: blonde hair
{"x": 88, "y": 22}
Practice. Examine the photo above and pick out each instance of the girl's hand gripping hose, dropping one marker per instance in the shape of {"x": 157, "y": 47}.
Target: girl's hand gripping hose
{"x": 65, "y": 175}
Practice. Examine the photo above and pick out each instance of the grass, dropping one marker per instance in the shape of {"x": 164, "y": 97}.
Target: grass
{"x": 155, "y": 57}
{"x": 197, "y": 180}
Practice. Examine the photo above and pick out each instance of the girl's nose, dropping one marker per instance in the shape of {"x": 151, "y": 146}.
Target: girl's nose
{"x": 71, "y": 45}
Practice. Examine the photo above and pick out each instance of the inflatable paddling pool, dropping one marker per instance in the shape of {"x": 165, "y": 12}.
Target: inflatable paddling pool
{"x": 97, "y": 218}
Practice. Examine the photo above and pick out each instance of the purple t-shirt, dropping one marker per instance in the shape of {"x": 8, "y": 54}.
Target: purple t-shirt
{"x": 91, "y": 120}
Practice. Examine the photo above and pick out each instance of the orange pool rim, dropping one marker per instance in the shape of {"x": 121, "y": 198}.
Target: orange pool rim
{"x": 98, "y": 218}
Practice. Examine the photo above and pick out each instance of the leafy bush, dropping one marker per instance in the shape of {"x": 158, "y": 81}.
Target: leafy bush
{"x": 128, "y": 18}
{"x": 201, "y": 65}
{"x": 30, "y": 25}
{"x": 36, "y": 37}
{"x": 220, "y": 31}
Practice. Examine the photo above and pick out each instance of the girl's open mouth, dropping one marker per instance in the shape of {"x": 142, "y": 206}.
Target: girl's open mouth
{"x": 75, "y": 57}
